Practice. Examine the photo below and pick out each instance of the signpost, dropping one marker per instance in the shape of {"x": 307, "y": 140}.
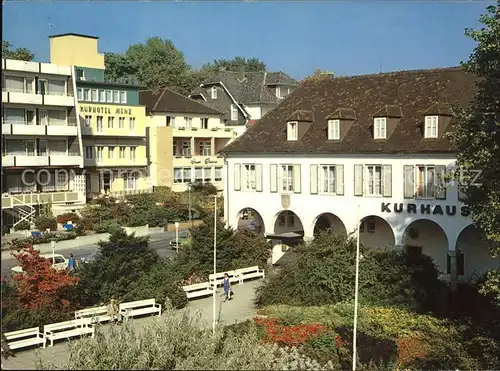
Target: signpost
{"x": 177, "y": 236}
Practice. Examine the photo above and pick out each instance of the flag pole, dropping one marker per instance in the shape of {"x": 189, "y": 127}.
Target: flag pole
{"x": 354, "y": 337}
{"x": 215, "y": 265}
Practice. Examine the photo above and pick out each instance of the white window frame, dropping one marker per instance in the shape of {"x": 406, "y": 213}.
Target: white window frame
{"x": 371, "y": 181}
{"x": 102, "y": 96}
{"x": 234, "y": 112}
{"x": 95, "y": 95}
{"x": 427, "y": 194}
{"x": 123, "y": 96}
{"x": 380, "y": 128}
{"x": 213, "y": 92}
{"x": 121, "y": 122}
{"x": 206, "y": 148}
{"x": 131, "y": 123}
{"x": 99, "y": 153}
{"x": 331, "y": 189}
{"x": 186, "y": 148}
{"x": 79, "y": 94}
{"x": 87, "y": 96}
{"x": 431, "y": 127}
{"x": 292, "y": 130}
{"x": 99, "y": 124}
{"x": 188, "y": 122}
{"x": 286, "y": 182}
{"x": 111, "y": 152}
{"x": 89, "y": 152}
{"x": 121, "y": 152}
{"x": 132, "y": 152}
{"x": 248, "y": 177}
{"x": 109, "y": 96}
{"x": 116, "y": 96}
{"x": 111, "y": 122}
{"x": 334, "y": 129}
{"x": 88, "y": 121}
{"x": 204, "y": 121}
{"x": 218, "y": 178}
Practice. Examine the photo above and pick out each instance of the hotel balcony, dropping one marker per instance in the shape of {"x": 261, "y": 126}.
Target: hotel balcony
{"x": 37, "y": 161}
{"x": 112, "y": 132}
{"x": 22, "y": 128}
{"x": 117, "y": 162}
{"x": 36, "y": 67}
{"x": 20, "y": 97}
{"x": 10, "y": 200}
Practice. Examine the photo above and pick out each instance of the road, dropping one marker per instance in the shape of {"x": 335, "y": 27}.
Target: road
{"x": 158, "y": 241}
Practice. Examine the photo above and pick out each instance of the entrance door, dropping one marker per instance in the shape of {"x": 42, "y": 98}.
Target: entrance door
{"x": 88, "y": 186}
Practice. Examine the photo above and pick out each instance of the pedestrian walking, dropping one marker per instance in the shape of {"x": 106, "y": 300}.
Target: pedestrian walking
{"x": 227, "y": 287}
{"x": 71, "y": 263}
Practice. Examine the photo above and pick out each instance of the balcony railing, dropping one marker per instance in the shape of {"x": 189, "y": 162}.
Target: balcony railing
{"x": 27, "y": 91}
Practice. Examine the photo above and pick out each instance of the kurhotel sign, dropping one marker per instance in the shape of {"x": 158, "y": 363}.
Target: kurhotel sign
{"x": 106, "y": 110}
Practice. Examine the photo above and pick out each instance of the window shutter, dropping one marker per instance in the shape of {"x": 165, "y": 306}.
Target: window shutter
{"x": 258, "y": 177}
{"x": 274, "y": 178}
{"x": 313, "y": 185}
{"x": 387, "y": 170}
{"x": 296, "y": 178}
{"x": 339, "y": 173}
{"x": 237, "y": 177}
{"x": 358, "y": 180}
{"x": 409, "y": 181}
{"x": 440, "y": 182}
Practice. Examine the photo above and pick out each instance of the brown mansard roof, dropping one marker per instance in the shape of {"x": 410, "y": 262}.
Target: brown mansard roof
{"x": 167, "y": 100}
{"x": 406, "y": 96}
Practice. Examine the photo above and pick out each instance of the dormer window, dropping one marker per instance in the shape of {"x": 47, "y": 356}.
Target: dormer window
{"x": 213, "y": 92}
{"x": 334, "y": 129}
{"x": 282, "y": 91}
{"x": 380, "y": 128}
{"x": 292, "y": 132}
{"x": 431, "y": 127}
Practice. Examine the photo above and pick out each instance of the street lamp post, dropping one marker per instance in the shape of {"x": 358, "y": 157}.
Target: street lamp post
{"x": 215, "y": 264}
{"x": 53, "y": 245}
{"x": 189, "y": 201}
{"x": 355, "y": 327}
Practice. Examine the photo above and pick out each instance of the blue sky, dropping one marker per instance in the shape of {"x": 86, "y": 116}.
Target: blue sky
{"x": 347, "y": 38}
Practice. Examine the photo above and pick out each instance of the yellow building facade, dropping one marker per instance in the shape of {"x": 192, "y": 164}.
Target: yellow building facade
{"x": 112, "y": 122}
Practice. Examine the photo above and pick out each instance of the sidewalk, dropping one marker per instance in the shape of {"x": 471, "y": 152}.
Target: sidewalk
{"x": 239, "y": 309}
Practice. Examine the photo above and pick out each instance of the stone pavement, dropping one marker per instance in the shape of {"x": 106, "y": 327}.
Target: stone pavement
{"x": 239, "y": 309}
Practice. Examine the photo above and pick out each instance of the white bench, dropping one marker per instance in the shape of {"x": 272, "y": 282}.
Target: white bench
{"x": 25, "y": 338}
{"x": 197, "y": 290}
{"x": 217, "y": 279}
{"x": 97, "y": 314}
{"x": 68, "y": 329}
{"x": 249, "y": 272}
{"x": 139, "y": 307}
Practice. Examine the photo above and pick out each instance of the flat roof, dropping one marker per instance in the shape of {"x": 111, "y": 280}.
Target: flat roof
{"x": 74, "y": 34}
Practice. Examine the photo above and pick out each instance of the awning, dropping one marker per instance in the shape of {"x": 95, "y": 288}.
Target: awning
{"x": 285, "y": 235}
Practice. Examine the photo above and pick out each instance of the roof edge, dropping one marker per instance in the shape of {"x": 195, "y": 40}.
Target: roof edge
{"x": 74, "y": 34}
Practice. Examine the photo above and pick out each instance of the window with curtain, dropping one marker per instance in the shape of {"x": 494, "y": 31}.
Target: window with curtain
{"x": 14, "y": 84}
{"x": 58, "y": 147}
{"x": 116, "y": 96}
{"x": 186, "y": 175}
{"x": 14, "y": 116}
{"x": 218, "y": 174}
{"x": 57, "y": 87}
{"x": 207, "y": 175}
{"x": 198, "y": 174}
{"x": 177, "y": 175}
{"x": 57, "y": 117}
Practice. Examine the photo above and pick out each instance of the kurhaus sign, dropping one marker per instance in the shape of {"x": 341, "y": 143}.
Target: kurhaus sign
{"x": 424, "y": 209}
{"x": 106, "y": 110}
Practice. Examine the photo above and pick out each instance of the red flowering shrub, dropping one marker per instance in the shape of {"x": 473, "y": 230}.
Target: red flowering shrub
{"x": 64, "y": 218}
{"x": 410, "y": 349}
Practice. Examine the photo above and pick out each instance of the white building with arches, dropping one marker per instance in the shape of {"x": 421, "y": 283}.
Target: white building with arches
{"x": 377, "y": 142}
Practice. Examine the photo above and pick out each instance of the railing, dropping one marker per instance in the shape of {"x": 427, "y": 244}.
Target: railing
{"x": 24, "y": 91}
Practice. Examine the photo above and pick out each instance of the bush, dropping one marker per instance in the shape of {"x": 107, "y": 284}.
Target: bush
{"x": 23, "y": 318}
{"x": 180, "y": 342}
{"x": 206, "y": 189}
{"x": 43, "y": 223}
{"x": 44, "y": 238}
{"x": 235, "y": 249}
{"x": 23, "y": 226}
{"x": 323, "y": 272}
{"x": 137, "y": 219}
{"x": 67, "y": 217}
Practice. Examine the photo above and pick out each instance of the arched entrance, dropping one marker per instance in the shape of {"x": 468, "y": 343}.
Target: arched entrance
{"x": 473, "y": 256}
{"x": 329, "y": 222}
{"x": 423, "y": 236}
{"x": 288, "y": 232}
{"x": 250, "y": 219}
{"x": 375, "y": 232}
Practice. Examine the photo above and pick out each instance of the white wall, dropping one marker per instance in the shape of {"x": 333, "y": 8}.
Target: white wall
{"x": 308, "y": 207}
{"x": 254, "y": 110}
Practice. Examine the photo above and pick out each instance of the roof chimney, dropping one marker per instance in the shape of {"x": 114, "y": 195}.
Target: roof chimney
{"x": 241, "y": 73}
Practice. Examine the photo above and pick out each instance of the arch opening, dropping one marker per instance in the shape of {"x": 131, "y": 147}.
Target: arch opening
{"x": 251, "y": 219}
{"x": 375, "y": 232}
{"x": 424, "y": 236}
{"x": 473, "y": 256}
{"x": 329, "y": 222}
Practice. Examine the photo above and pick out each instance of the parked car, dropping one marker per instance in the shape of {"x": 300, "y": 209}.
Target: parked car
{"x": 60, "y": 263}
{"x": 89, "y": 258}
{"x": 183, "y": 238}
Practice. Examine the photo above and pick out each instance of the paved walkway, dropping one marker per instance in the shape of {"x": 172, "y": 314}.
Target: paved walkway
{"x": 239, "y": 309}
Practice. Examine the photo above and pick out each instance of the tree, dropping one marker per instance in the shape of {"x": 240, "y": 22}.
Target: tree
{"x": 236, "y": 64}
{"x": 40, "y": 286}
{"x": 477, "y": 134}
{"x": 157, "y": 64}
{"x": 22, "y": 54}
